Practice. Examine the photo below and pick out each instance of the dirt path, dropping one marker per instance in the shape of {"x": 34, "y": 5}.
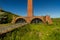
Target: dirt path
{"x": 10, "y": 27}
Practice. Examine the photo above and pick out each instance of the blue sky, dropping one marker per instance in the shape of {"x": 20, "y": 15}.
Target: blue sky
{"x": 40, "y": 7}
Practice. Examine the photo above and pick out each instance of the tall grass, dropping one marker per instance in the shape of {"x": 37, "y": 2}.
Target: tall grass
{"x": 35, "y": 32}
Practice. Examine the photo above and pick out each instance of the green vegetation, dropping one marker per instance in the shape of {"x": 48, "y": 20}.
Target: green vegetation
{"x": 35, "y": 32}
{"x": 10, "y": 16}
{"x": 6, "y": 17}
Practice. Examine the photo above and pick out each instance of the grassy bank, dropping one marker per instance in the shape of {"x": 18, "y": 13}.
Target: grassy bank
{"x": 35, "y": 32}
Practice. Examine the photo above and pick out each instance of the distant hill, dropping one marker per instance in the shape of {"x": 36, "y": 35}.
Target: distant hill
{"x": 7, "y": 15}
{"x": 2, "y": 12}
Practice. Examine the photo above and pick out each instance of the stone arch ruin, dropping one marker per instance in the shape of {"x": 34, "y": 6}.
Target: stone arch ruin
{"x": 30, "y": 17}
{"x": 20, "y": 20}
{"x": 36, "y": 20}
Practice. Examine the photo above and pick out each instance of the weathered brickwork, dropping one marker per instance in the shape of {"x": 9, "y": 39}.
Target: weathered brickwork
{"x": 30, "y": 15}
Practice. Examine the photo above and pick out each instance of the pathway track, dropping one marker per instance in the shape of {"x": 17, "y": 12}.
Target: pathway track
{"x": 10, "y": 28}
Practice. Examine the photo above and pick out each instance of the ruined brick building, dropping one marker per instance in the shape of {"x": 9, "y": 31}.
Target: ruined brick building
{"x": 30, "y": 18}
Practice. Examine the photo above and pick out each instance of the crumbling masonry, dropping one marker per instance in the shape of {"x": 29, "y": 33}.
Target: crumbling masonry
{"x": 30, "y": 18}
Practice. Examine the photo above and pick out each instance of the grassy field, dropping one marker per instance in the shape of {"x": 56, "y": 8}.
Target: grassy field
{"x": 35, "y": 32}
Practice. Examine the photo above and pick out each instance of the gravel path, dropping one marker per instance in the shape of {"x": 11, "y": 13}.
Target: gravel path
{"x": 10, "y": 27}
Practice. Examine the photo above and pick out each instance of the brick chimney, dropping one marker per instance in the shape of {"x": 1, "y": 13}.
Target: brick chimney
{"x": 30, "y": 8}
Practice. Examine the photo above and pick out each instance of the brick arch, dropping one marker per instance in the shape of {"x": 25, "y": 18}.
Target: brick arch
{"x": 20, "y": 20}
{"x": 35, "y": 20}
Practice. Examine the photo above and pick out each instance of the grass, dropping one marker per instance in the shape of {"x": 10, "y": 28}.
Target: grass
{"x": 35, "y": 32}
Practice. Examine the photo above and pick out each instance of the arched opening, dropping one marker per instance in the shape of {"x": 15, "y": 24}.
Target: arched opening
{"x": 36, "y": 20}
{"x": 20, "y": 20}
